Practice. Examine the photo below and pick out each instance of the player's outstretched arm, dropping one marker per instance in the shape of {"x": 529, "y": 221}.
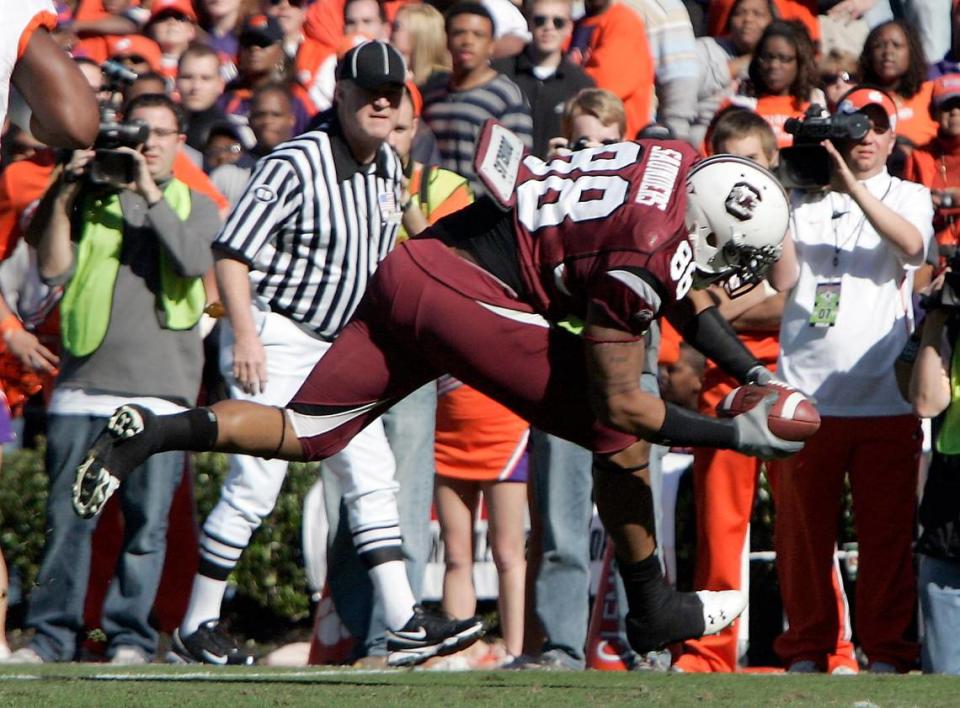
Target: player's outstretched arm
{"x": 64, "y": 108}
{"x": 614, "y": 366}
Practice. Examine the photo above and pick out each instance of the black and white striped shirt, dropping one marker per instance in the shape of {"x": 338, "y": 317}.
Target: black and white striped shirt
{"x": 313, "y": 225}
{"x": 456, "y": 117}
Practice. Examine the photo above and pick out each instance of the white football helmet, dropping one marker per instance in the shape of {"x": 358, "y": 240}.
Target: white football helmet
{"x": 737, "y": 216}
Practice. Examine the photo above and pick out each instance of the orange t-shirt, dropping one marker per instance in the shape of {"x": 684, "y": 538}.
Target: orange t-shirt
{"x": 185, "y": 170}
{"x": 21, "y": 184}
{"x": 617, "y": 58}
{"x": 803, "y": 11}
{"x": 913, "y": 116}
{"x": 774, "y": 109}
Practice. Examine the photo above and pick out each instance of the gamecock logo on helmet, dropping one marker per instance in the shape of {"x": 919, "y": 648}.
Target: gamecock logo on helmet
{"x": 743, "y": 201}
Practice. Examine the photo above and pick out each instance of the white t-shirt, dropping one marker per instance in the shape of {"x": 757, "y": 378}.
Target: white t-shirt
{"x": 849, "y": 367}
{"x": 18, "y": 21}
{"x": 507, "y": 19}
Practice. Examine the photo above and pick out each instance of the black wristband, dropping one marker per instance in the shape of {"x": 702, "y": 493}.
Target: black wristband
{"x": 686, "y": 428}
{"x": 713, "y": 337}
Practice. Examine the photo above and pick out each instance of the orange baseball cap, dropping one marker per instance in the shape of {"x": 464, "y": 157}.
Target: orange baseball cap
{"x": 945, "y": 88}
{"x": 859, "y": 97}
{"x": 416, "y": 98}
{"x": 182, "y": 7}
{"x": 135, "y": 45}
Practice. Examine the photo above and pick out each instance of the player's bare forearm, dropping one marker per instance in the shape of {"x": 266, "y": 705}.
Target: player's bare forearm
{"x": 64, "y": 108}
{"x": 614, "y": 366}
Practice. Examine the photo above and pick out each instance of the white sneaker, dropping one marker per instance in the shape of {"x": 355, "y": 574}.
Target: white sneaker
{"x": 25, "y": 655}
{"x": 129, "y": 656}
{"x": 720, "y": 609}
{"x": 4, "y": 652}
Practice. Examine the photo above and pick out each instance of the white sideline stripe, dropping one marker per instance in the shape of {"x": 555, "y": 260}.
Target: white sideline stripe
{"x": 319, "y": 672}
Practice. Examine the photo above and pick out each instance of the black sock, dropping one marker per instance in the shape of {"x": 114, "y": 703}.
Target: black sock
{"x": 659, "y": 615}
{"x": 194, "y": 430}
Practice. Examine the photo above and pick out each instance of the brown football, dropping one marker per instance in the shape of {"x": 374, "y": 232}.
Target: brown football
{"x": 792, "y": 416}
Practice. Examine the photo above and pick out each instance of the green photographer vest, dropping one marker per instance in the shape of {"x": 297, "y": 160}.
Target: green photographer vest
{"x": 948, "y": 439}
{"x": 88, "y": 297}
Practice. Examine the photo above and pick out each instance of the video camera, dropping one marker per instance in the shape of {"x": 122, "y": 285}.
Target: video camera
{"x": 110, "y": 167}
{"x": 806, "y": 165}
{"x": 947, "y": 297}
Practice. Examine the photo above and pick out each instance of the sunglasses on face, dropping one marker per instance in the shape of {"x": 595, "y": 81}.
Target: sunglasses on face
{"x": 292, "y": 3}
{"x": 540, "y": 21}
{"x": 831, "y": 79}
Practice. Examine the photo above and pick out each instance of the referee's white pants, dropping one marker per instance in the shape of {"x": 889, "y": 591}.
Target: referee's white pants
{"x": 365, "y": 469}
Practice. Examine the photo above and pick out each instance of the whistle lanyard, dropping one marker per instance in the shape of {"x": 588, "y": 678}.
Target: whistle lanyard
{"x": 857, "y": 231}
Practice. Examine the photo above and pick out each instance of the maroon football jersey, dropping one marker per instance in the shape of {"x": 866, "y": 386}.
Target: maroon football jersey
{"x": 606, "y": 225}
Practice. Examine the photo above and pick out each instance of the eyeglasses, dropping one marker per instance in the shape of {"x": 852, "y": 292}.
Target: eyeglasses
{"x": 163, "y": 132}
{"x": 133, "y": 59}
{"x": 292, "y": 3}
{"x": 831, "y": 79}
{"x": 769, "y": 58}
{"x": 179, "y": 17}
{"x": 558, "y": 22}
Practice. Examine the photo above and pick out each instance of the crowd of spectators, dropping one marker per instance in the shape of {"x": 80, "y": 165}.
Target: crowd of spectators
{"x": 220, "y": 84}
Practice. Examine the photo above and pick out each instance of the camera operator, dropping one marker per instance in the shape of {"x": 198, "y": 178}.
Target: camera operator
{"x": 856, "y": 245}
{"x": 130, "y": 254}
{"x": 934, "y": 394}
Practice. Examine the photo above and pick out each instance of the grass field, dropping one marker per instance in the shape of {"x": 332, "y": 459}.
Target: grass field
{"x": 100, "y": 685}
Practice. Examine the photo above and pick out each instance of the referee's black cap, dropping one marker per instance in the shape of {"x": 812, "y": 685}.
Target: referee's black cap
{"x": 372, "y": 64}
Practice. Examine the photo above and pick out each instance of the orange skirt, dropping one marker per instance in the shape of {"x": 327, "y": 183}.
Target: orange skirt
{"x": 477, "y": 438}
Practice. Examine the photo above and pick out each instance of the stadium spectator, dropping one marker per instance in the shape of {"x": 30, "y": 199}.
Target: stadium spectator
{"x": 362, "y": 20}
{"x": 200, "y": 86}
{"x": 802, "y": 11}
{"x": 545, "y": 76}
{"x": 724, "y": 60}
{"x": 607, "y": 39}
{"x": 419, "y": 36}
{"x": 933, "y": 393}
{"x": 173, "y": 26}
{"x": 136, "y": 52}
{"x": 849, "y": 268}
{"x": 783, "y": 77}
{"x": 129, "y": 328}
{"x": 838, "y": 74}
{"x": 475, "y": 92}
{"x": 272, "y": 122}
{"x": 725, "y": 482}
{"x": 222, "y": 20}
{"x": 937, "y": 166}
{"x": 893, "y": 59}
{"x": 291, "y": 14}
{"x": 674, "y": 51}
{"x": 262, "y": 61}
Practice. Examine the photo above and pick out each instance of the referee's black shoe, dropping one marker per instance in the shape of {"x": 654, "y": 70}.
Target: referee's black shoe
{"x": 124, "y": 444}
{"x": 430, "y": 633}
{"x": 210, "y": 644}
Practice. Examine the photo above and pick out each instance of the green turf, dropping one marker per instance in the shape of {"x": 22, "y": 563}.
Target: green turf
{"x": 99, "y": 685}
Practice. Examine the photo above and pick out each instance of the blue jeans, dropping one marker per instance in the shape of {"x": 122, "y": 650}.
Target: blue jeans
{"x": 940, "y": 604}
{"x": 57, "y": 600}
{"x": 563, "y": 486}
{"x": 410, "y": 427}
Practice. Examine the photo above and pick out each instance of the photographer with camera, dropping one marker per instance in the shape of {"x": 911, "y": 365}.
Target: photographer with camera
{"x": 849, "y": 268}
{"x": 130, "y": 249}
{"x": 934, "y": 394}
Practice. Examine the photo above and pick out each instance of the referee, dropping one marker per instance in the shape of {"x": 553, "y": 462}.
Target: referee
{"x": 316, "y": 218}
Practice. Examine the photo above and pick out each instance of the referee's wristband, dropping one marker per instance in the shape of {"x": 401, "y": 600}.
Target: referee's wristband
{"x": 406, "y": 205}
